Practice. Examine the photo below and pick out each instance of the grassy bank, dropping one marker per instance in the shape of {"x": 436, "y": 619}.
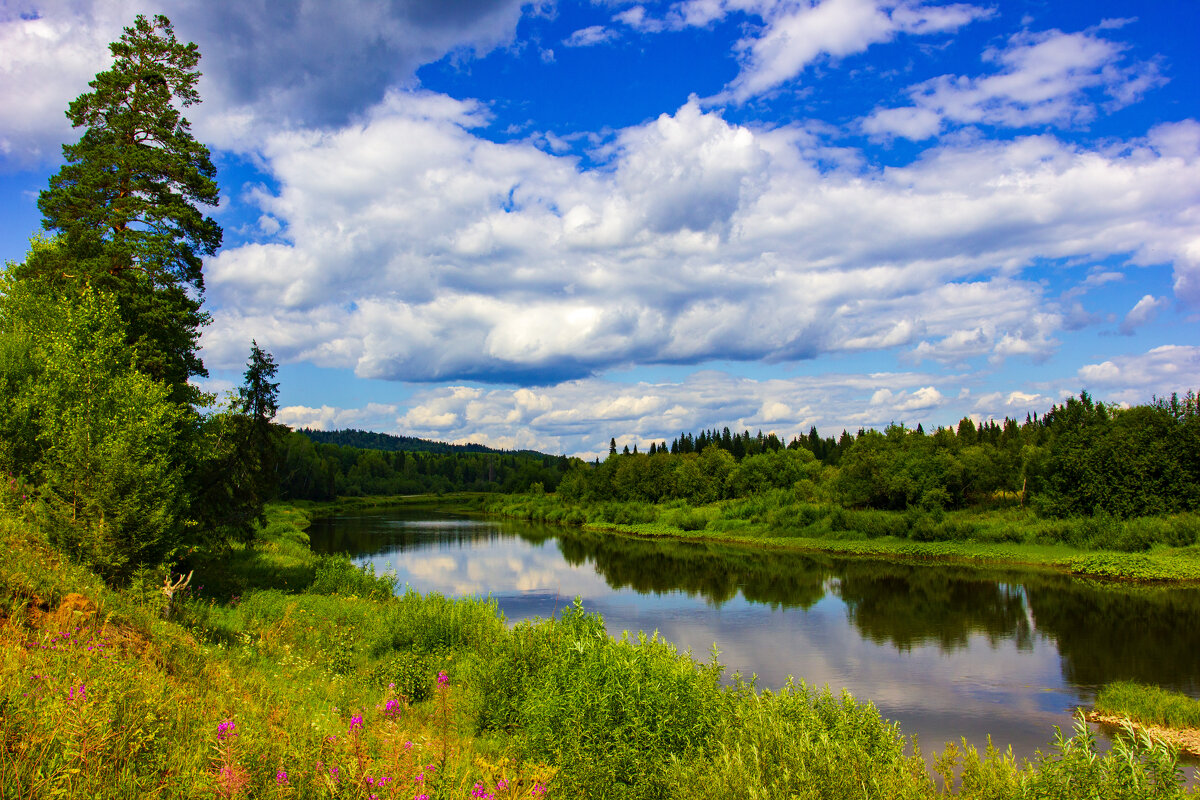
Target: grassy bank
{"x": 330, "y": 686}
{"x": 1149, "y": 704}
{"x": 1146, "y": 549}
{"x": 1170, "y": 717}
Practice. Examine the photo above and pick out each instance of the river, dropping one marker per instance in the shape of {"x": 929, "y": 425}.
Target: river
{"x": 946, "y": 651}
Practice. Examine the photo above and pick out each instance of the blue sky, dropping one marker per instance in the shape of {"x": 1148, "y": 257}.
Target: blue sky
{"x": 548, "y": 224}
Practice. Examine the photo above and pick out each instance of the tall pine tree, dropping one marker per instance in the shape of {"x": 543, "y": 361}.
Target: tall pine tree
{"x": 126, "y": 202}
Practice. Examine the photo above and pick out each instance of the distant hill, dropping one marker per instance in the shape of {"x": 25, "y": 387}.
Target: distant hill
{"x": 369, "y": 440}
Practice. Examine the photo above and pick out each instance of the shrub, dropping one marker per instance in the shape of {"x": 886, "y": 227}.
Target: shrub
{"x": 336, "y": 574}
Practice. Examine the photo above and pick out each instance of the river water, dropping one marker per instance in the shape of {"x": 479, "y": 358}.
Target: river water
{"x": 948, "y": 652}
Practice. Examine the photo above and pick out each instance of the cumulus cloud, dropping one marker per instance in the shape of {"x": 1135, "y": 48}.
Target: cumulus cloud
{"x": 453, "y": 257}
{"x": 579, "y": 417}
{"x": 1142, "y": 313}
{"x": 264, "y": 64}
{"x": 1133, "y": 378}
{"x": 330, "y": 418}
{"x": 1049, "y": 78}
{"x": 1015, "y": 404}
{"x": 922, "y": 399}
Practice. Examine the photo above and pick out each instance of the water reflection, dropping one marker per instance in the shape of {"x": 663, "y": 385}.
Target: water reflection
{"x": 947, "y": 651}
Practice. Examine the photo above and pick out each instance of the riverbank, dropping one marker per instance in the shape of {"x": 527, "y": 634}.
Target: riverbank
{"x": 331, "y": 686}
{"x": 997, "y": 537}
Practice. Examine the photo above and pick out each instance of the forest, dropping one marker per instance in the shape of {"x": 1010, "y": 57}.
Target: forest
{"x": 312, "y": 470}
{"x": 1081, "y": 458}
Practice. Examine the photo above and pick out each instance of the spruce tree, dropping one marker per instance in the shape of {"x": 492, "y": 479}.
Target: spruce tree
{"x": 126, "y": 201}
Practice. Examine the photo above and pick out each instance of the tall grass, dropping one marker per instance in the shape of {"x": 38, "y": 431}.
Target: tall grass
{"x": 1149, "y": 704}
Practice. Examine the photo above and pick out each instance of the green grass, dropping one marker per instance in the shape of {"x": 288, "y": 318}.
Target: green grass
{"x": 327, "y": 685}
{"x": 1150, "y": 705}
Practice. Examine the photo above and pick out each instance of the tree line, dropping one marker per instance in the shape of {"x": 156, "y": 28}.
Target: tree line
{"x": 1080, "y": 458}
{"x": 370, "y": 440}
{"x": 312, "y": 470}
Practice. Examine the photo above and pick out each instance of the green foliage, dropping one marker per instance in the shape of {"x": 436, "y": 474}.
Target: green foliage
{"x": 614, "y": 714}
{"x": 1121, "y": 462}
{"x": 108, "y": 466}
{"x": 237, "y": 472}
{"x": 337, "y": 575}
{"x": 803, "y": 742}
{"x": 410, "y": 674}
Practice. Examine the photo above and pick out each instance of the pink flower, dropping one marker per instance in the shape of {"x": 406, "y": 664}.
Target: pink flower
{"x": 443, "y": 679}
{"x": 356, "y": 722}
{"x": 227, "y": 729}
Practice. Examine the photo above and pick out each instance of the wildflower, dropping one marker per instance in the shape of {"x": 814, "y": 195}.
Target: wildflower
{"x": 538, "y": 790}
{"x": 356, "y": 722}
{"x": 408, "y": 745}
{"x": 391, "y": 708}
{"x": 227, "y": 729}
{"x": 443, "y": 679}
{"x": 281, "y": 778}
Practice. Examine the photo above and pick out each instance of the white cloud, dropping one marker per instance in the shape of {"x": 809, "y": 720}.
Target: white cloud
{"x": 579, "y": 417}
{"x": 796, "y": 33}
{"x": 1144, "y": 312}
{"x": 1134, "y": 378}
{"x": 454, "y": 257}
{"x": 911, "y": 123}
{"x": 922, "y": 399}
{"x": 330, "y": 418}
{"x": 1014, "y": 404}
{"x": 1050, "y": 78}
{"x": 265, "y": 65}
{"x": 45, "y": 62}
{"x": 591, "y": 35}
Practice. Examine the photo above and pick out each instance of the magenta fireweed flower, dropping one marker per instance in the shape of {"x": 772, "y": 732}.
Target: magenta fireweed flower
{"x": 356, "y": 722}
{"x": 443, "y": 679}
{"x": 227, "y": 729}
{"x": 281, "y": 778}
{"x": 391, "y": 708}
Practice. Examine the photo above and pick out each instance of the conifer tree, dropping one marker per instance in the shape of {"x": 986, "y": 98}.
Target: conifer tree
{"x": 126, "y": 202}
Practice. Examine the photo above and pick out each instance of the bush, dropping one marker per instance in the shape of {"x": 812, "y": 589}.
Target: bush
{"x": 409, "y": 674}
{"x": 686, "y": 519}
{"x": 336, "y": 574}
